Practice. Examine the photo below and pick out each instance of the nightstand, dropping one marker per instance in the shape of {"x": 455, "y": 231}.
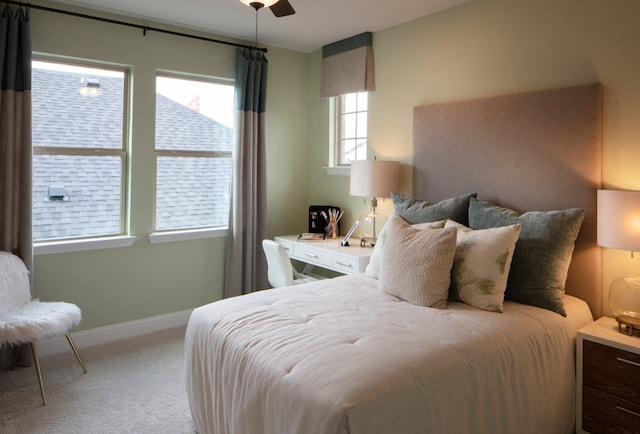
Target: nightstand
{"x": 608, "y": 379}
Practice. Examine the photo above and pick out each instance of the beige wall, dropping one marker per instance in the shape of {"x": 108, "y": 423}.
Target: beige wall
{"x": 124, "y": 284}
{"x": 492, "y": 47}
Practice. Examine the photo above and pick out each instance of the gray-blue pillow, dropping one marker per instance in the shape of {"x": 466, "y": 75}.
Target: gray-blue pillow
{"x": 419, "y": 211}
{"x": 543, "y": 252}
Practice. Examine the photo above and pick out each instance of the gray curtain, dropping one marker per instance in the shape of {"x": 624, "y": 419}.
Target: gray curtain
{"x": 246, "y": 267}
{"x": 15, "y": 141}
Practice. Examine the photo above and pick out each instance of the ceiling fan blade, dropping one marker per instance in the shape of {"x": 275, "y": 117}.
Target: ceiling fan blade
{"x": 282, "y": 8}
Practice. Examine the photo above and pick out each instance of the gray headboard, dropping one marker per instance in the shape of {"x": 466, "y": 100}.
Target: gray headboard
{"x": 530, "y": 151}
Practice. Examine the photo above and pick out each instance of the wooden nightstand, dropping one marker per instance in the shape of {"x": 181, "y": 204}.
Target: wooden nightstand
{"x": 608, "y": 379}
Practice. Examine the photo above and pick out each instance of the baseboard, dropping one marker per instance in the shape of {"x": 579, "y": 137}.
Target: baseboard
{"x": 115, "y": 332}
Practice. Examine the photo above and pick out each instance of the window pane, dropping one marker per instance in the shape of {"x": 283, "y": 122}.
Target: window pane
{"x": 87, "y": 205}
{"x": 361, "y": 130}
{"x": 193, "y": 119}
{"x": 349, "y": 126}
{"x": 348, "y": 151}
{"x": 76, "y": 106}
{"x": 78, "y": 131}
{"x": 350, "y": 102}
{"x": 193, "y": 115}
{"x": 192, "y": 192}
{"x": 362, "y": 101}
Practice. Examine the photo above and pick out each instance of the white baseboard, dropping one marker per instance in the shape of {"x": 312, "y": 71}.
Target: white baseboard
{"x": 115, "y": 332}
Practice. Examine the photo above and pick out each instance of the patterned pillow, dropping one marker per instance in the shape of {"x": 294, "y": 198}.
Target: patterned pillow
{"x": 373, "y": 268}
{"x": 543, "y": 253}
{"x": 481, "y": 265}
{"x": 419, "y": 211}
{"x": 416, "y": 264}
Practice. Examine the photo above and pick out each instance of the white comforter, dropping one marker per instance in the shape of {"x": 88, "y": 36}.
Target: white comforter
{"x": 338, "y": 356}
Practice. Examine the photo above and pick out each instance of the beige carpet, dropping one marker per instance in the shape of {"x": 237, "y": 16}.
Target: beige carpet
{"x": 133, "y": 386}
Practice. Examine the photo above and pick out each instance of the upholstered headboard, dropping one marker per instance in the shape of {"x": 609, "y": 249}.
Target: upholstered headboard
{"x": 530, "y": 151}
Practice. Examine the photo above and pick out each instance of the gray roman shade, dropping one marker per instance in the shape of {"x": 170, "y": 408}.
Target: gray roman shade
{"x": 347, "y": 66}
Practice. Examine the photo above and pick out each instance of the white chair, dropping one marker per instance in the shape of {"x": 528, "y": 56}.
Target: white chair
{"x": 23, "y": 320}
{"x": 280, "y": 270}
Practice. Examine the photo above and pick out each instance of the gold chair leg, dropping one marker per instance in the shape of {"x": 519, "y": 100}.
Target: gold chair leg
{"x": 36, "y": 362}
{"x": 75, "y": 351}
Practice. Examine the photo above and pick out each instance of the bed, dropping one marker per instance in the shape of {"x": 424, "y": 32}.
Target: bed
{"x": 367, "y": 353}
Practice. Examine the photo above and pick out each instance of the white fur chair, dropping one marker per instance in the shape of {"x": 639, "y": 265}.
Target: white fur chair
{"x": 23, "y": 320}
{"x": 280, "y": 271}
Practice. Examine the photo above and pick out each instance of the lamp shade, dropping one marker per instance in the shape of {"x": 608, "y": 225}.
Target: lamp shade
{"x": 619, "y": 219}
{"x": 374, "y": 178}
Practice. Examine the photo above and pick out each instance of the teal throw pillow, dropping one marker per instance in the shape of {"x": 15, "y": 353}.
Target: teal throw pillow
{"x": 543, "y": 252}
{"x": 420, "y": 211}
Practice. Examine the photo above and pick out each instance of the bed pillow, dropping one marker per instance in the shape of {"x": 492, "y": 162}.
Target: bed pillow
{"x": 543, "y": 252}
{"x": 481, "y": 265}
{"x": 419, "y": 211}
{"x": 373, "y": 267}
{"x": 416, "y": 263}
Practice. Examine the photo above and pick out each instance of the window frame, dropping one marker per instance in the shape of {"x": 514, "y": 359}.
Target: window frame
{"x": 181, "y": 234}
{"x": 91, "y": 242}
{"x": 336, "y": 114}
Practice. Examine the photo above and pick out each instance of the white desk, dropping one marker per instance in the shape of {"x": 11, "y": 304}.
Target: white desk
{"x": 328, "y": 254}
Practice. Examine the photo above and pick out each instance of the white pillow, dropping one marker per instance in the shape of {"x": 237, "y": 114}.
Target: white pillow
{"x": 416, "y": 263}
{"x": 481, "y": 266}
{"x": 373, "y": 268}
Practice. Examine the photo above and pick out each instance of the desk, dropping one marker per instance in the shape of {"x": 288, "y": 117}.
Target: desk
{"x": 328, "y": 254}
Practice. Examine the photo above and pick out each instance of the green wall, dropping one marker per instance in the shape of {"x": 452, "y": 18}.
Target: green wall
{"x": 493, "y": 47}
{"x": 482, "y": 48}
{"x": 124, "y": 284}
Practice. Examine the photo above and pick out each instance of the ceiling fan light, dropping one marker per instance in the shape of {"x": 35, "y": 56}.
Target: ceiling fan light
{"x": 264, "y": 3}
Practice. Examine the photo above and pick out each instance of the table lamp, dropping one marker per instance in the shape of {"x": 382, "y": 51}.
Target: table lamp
{"x": 373, "y": 178}
{"x": 619, "y": 228}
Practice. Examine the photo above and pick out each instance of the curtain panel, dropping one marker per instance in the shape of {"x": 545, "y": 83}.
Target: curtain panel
{"x": 246, "y": 267}
{"x": 15, "y": 145}
{"x": 347, "y": 66}
{"x": 15, "y": 134}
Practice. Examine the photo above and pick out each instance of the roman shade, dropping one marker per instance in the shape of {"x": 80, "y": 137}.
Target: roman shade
{"x": 347, "y": 66}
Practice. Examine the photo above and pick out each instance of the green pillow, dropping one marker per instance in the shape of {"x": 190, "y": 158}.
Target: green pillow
{"x": 543, "y": 252}
{"x": 419, "y": 211}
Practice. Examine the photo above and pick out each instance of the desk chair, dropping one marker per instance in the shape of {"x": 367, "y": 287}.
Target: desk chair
{"x": 280, "y": 270}
{"x": 23, "y": 320}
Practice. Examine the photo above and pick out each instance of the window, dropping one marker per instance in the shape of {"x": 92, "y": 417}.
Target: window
{"x": 193, "y": 151}
{"x": 79, "y": 151}
{"x": 350, "y": 130}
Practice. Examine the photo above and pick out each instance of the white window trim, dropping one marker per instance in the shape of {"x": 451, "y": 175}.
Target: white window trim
{"x": 333, "y": 168}
{"x": 187, "y": 235}
{"x": 79, "y": 245}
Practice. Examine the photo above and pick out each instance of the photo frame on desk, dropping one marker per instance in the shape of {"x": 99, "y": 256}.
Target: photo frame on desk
{"x": 345, "y": 242}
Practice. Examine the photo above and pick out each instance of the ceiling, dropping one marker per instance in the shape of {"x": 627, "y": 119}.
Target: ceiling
{"x": 315, "y": 23}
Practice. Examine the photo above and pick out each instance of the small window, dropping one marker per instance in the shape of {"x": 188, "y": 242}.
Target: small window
{"x": 78, "y": 133}
{"x": 350, "y": 128}
{"x": 193, "y": 152}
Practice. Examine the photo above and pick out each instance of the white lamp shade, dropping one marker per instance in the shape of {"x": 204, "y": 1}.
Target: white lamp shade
{"x": 374, "y": 178}
{"x": 619, "y": 219}
{"x": 265, "y": 3}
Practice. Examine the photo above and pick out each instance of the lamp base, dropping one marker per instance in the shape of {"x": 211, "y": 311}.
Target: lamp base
{"x": 628, "y": 324}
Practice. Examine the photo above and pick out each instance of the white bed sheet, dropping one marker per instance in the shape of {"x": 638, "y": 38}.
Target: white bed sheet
{"x": 339, "y": 356}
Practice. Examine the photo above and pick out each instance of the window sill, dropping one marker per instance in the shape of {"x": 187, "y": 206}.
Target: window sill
{"x": 338, "y": 170}
{"x": 186, "y": 235}
{"x": 69, "y": 246}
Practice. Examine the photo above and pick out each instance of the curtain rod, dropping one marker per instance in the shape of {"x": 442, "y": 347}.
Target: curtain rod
{"x": 144, "y": 29}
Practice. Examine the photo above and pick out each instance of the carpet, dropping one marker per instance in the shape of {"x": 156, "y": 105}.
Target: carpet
{"x": 133, "y": 386}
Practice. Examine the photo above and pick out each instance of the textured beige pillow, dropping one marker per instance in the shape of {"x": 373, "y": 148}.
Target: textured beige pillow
{"x": 416, "y": 263}
{"x": 373, "y": 268}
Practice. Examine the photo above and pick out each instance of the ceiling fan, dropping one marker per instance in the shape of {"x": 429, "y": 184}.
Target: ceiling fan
{"x": 280, "y": 8}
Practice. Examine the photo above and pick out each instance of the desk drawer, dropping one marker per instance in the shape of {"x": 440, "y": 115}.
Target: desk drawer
{"x": 312, "y": 254}
{"x": 345, "y": 264}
